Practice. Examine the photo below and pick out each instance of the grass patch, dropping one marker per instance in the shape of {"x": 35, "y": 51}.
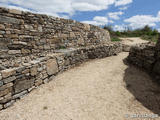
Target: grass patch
{"x": 150, "y": 38}
{"x": 115, "y": 39}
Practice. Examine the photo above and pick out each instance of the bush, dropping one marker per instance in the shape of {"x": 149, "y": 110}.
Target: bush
{"x": 146, "y": 33}
{"x": 115, "y": 39}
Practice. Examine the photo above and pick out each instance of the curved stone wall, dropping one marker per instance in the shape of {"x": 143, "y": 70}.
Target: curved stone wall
{"x": 24, "y": 33}
{"x": 34, "y": 48}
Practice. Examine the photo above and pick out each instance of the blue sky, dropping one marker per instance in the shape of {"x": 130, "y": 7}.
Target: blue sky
{"x": 118, "y": 13}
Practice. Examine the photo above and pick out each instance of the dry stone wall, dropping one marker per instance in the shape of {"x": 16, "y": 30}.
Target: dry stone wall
{"x": 24, "y": 33}
{"x": 147, "y": 56}
{"x": 35, "y": 48}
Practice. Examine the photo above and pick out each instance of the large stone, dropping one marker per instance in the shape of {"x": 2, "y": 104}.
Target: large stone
{"x": 12, "y": 52}
{"x": 5, "y": 92}
{"x": 9, "y": 79}
{"x": 87, "y": 27}
{"x": 19, "y": 94}
{"x": 21, "y": 85}
{"x": 8, "y": 72}
{"x": 52, "y": 66}
{"x": 14, "y": 11}
{"x": 6, "y": 86}
{"x": 11, "y": 20}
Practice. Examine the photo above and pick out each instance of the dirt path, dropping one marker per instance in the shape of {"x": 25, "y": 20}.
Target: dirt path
{"x": 96, "y": 90}
{"x": 132, "y": 40}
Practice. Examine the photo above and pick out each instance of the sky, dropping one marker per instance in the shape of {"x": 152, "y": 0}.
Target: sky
{"x": 120, "y": 14}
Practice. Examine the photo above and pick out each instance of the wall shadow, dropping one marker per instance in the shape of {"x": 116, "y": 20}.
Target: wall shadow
{"x": 141, "y": 85}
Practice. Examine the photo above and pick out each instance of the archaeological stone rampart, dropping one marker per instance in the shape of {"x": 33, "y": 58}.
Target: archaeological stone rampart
{"x": 147, "y": 57}
{"x": 34, "y": 48}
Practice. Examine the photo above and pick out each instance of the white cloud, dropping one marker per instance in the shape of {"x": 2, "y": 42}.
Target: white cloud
{"x": 123, "y": 2}
{"x": 98, "y": 20}
{"x": 140, "y": 21}
{"x": 115, "y": 15}
{"x": 54, "y": 7}
{"x": 119, "y": 27}
{"x": 123, "y": 8}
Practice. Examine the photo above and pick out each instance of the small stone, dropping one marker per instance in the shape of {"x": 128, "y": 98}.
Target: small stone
{"x": 0, "y": 77}
{"x": 6, "y": 98}
{"x": 1, "y": 83}
{"x": 72, "y": 35}
{"x": 87, "y": 27}
{"x": 12, "y": 36}
{"x": 25, "y": 71}
{"x": 38, "y": 82}
{"x": 12, "y": 52}
{"x": 19, "y": 94}
{"x": 10, "y": 79}
{"x": 28, "y": 27}
{"x": 1, "y": 106}
{"x": 2, "y": 27}
{"x": 46, "y": 47}
{"x": 33, "y": 71}
{"x": 25, "y": 51}
{"x": 9, "y": 104}
{"x": 32, "y": 88}
{"x": 6, "y": 86}
{"x": 40, "y": 28}
{"x": 52, "y": 66}
{"x": 8, "y": 72}
{"x": 14, "y": 11}
{"x": 46, "y": 80}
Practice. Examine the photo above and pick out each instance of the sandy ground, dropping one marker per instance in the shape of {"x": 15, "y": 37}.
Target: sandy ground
{"x": 132, "y": 40}
{"x": 102, "y": 89}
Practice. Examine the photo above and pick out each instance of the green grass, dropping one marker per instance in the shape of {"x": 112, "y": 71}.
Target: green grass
{"x": 150, "y": 38}
{"x": 115, "y": 39}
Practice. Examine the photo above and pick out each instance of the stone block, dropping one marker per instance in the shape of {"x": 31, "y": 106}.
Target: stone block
{"x": 25, "y": 51}
{"x": 52, "y": 66}
{"x": 9, "y": 79}
{"x": 19, "y": 94}
{"x": 2, "y": 27}
{"x": 0, "y": 77}
{"x": 1, "y": 83}
{"x": 6, "y": 86}
{"x": 14, "y": 11}
{"x": 5, "y": 92}
{"x": 9, "y": 104}
{"x": 21, "y": 85}
{"x": 6, "y": 98}
{"x": 8, "y": 72}
{"x": 11, "y": 20}
{"x": 12, "y": 52}
{"x": 38, "y": 82}
{"x": 33, "y": 71}
{"x": 1, "y": 106}
{"x": 87, "y": 27}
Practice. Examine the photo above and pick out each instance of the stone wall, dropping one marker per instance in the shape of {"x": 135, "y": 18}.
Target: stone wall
{"x": 24, "y": 33}
{"x": 18, "y": 81}
{"x": 35, "y": 48}
{"x": 147, "y": 56}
